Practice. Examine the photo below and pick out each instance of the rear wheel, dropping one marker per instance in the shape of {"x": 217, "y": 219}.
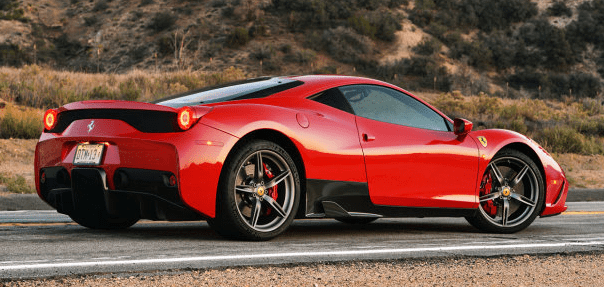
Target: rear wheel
{"x": 258, "y": 193}
{"x": 511, "y": 194}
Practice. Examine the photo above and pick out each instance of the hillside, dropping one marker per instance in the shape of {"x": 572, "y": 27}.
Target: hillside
{"x": 515, "y": 48}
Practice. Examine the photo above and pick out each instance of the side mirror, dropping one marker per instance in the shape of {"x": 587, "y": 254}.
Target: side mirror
{"x": 462, "y": 126}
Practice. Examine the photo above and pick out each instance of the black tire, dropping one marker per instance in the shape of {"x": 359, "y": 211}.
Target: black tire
{"x": 356, "y": 220}
{"x": 511, "y": 194}
{"x": 254, "y": 204}
{"x": 97, "y": 218}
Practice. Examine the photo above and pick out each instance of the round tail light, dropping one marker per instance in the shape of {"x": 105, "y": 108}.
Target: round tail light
{"x": 185, "y": 118}
{"x": 50, "y": 119}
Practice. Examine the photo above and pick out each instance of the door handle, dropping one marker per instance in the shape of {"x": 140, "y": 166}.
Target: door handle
{"x": 368, "y": 138}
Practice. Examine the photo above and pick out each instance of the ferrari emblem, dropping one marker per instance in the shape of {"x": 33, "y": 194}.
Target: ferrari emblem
{"x": 483, "y": 141}
{"x": 506, "y": 192}
{"x": 261, "y": 191}
{"x": 91, "y": 126}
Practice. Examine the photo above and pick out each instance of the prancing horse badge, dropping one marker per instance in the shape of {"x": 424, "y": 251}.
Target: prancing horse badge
{"x": 483, "y": 141}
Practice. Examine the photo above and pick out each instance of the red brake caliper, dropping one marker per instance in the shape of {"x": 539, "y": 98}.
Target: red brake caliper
{"x": 485, "y": 188}
{"x": 272, "y": 192}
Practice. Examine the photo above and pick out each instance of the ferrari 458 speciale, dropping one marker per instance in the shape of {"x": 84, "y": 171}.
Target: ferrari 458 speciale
{"x": 251, "y": 156}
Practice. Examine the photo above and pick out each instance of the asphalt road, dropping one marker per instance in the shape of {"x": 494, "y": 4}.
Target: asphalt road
{"x": 44, "y": 243}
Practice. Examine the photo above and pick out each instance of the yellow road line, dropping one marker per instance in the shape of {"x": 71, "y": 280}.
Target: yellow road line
{"x": 583, "y": 212}
{"x": 163, "y": 222}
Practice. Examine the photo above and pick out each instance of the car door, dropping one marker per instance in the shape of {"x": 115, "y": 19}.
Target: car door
{"x": 412, "y": 156}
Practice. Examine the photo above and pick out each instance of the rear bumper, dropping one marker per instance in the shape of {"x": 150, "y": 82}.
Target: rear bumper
{"x": 147, "y": 160}
{"x": 145, "y": 194}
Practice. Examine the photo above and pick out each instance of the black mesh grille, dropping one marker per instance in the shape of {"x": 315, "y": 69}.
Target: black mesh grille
{"x": 142, "y": 120}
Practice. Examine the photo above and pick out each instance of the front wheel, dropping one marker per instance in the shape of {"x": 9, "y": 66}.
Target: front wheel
{"x": 511, "y": 194}
{"x": 258, "y": 193}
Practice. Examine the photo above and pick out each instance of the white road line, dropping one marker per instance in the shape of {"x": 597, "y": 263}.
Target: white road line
{"x": 295, "y": 254}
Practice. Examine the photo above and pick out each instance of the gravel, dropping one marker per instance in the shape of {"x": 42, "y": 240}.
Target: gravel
{"x": 541, "y": 270}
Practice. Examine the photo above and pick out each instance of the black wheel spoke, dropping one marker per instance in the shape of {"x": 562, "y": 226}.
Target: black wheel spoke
{"x": 275, "y": 205}
{"x": 277, "y": 179}
{"x": 244, "y": 188}
{"x": 257, "y": 208}
{"x": 489, "y": 196}
{"x": 518, "y": 178}
{"x": 522, "y": 199}
{"x": 505, "y": 212}
{"x": 259, "y": 170}
{"x": 498, "y": 176}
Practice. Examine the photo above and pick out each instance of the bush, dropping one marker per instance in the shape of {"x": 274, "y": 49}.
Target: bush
{"x": 427, "y": 47}
{"x": 162, "y": 21}
{"x": 345, "y": 45}
{"x": 558, "y": 9}
{"x": 12, "y": 55}
{"x": 379, "y": 24}
{"x": 360, "y": 24}
{"x": 303, "y": 56}
{"x": 91, "y": 20}
{"x": 100, "y": 5}
{"x": 262, "y": 53}
{"x": 129, "y": 91}
{"x": 20, "y": 123}
{"x": 568, "y": 140}
{"x": 16, "y": 184}
{"x": 238, "y": 37}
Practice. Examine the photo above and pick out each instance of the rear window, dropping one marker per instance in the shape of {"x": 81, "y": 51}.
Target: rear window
{"x": 248, "y": 89}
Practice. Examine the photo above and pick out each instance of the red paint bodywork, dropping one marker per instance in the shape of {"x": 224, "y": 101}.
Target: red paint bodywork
{"x": 403, "y": 166}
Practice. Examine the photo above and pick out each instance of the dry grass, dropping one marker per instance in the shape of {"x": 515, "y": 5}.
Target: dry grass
{"x": 16, "y": 162}
{"x": 20, "y": 122}
{"x": 44, "y": 88}
{"x": 564, "y": 127}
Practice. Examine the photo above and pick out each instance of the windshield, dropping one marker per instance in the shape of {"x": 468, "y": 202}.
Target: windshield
{"x": 254, "y": 88}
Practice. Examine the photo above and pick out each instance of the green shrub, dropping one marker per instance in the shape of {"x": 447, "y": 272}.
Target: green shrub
{"x": 91, "y": 20}
{"x": 427, "y": 47}
{"x": 360, "y": 24}
{"x": 164, "y": 46}
{"x": 304, "y": 56}
{"x": 162, "y": 21}
{"x": 346, "y": 45}
{"x": 101, "y": 93}
{"x": 262, "y": 53}
{"x": 12, "y": 55}
{"x": 100, "y": 5}
{"x": 16, "y": 184}
{"x": 20, "y": 123}
{"x": 568, "y": 140}
{"x": 238, "y": 37}
{"x": 593, "y": 107}
{"x": 129, "y": 91}
{"x": 558, "y": 9}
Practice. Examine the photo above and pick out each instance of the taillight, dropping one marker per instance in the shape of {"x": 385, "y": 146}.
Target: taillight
{"x": 50, "y": 119}
{"x": 185, "y": 118}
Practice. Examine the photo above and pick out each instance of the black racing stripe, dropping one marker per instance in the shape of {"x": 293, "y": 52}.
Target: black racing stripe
{"x": 143, "y": 120}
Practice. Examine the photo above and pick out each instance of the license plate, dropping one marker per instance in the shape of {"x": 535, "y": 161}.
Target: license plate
{"x": 88, "y": 154}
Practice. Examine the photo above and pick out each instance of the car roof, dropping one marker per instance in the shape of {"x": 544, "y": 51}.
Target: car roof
{"x": 317, "y": 83}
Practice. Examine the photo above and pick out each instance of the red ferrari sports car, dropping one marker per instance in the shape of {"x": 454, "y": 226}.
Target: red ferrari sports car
{"x": 251, "y": 156}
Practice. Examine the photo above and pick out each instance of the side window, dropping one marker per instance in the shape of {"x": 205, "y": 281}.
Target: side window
{"x": 391, "y": 106}
{"x": 333, "y": 98}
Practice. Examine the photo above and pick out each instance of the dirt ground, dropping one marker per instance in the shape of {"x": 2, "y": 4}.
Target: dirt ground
{"x": 543, "y": 270}
{"x": 17, "y": 157}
